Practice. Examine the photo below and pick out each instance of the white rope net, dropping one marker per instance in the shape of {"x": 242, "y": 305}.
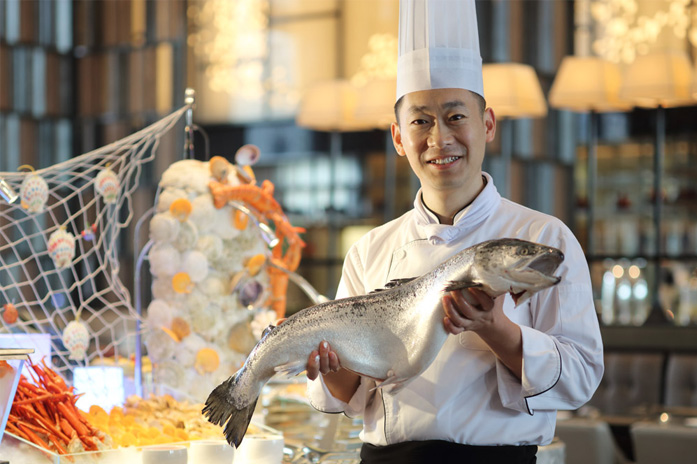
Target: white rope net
{"x": 89, "y": 197}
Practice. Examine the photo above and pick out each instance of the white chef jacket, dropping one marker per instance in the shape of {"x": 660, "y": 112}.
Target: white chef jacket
{"x": 467, "y": 395}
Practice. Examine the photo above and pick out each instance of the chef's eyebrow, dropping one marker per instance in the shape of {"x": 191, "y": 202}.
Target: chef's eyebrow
{"x": 446, "y": 106}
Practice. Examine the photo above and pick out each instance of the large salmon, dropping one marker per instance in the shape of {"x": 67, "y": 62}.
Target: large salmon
{"x": 392, "y": 334}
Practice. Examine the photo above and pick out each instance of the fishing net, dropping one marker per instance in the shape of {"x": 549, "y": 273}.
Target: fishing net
{"x": 59, "y": 249}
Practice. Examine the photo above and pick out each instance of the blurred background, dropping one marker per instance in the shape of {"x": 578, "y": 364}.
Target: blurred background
{"x": 311, "y": 83}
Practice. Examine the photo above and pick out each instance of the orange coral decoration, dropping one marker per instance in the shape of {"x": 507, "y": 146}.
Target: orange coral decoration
{"x": 287, "y": 253}
{"x": 240, "y": 220}
{"x": 255, "y": 263}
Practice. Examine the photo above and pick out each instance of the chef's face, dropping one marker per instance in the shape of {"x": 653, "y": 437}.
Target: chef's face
{"x": 443, "y": 133}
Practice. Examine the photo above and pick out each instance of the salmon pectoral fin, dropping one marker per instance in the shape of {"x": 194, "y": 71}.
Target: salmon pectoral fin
{"x": 290, "y": 369}
{"x": 455, "y": 285}
{"x": 220, "y": 409}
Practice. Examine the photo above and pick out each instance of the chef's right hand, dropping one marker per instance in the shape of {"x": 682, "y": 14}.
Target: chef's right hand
{"x": 322, "y": 361}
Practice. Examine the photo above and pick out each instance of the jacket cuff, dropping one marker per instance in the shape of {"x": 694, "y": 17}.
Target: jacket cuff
{"x": 541, "y": 372}
{"x": 321, "y": 398}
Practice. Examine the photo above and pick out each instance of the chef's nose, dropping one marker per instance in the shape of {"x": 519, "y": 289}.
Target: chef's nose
{"x": 440, "y": 135}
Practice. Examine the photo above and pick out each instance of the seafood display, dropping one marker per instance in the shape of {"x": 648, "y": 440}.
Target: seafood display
{"x": 218, "y": 241}
{"x": 44, "y": 413}
{"x": 153, "y": 421}
{"x": 287, "y": 252}
{"x": 391, "y": 335}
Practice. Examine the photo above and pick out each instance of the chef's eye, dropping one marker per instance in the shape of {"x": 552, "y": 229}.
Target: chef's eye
{"x": 457, "y": 117}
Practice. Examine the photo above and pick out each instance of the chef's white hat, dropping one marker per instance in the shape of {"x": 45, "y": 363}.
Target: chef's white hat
{"x": 438, "y": 46}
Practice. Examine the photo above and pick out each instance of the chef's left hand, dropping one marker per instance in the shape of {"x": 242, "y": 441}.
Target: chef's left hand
{"x": 471, "y": 309}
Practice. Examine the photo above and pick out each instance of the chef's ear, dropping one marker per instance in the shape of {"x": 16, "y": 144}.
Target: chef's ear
{"x": 397, "y": 139}
{"x": 489, "y": 124}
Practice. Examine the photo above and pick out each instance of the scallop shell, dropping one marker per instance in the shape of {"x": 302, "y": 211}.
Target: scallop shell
{"x": 107, "y": 185}
{"x": 195, "y": 264}
{"x": 204, "y": 322}
{"x": 160, "y": 345}
{"x": 247, "y": 155}
{"x": 61, "y": 248}
{"x": 76, "y": 339}
{"x": 181, "y": 283}
{"x": 203, "y": 212}
{"x": 187, "y": 237}
{"x": 180, "y": 209}
{"x": 220, "y": 168}
{"x": 211, "y": 246}
{"x": 207, "y": 360}
{"x": 164, "y": 259}
{"x": 181, "y": 328}
{"x": 164, "y": 227}
{"x": 159, "y": 314}
{"x": 34, "y": 193}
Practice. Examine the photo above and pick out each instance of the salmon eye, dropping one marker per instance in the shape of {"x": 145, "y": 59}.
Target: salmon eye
{"x": 524, "y": 251}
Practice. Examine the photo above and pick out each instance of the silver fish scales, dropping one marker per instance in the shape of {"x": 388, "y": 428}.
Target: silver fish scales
{"x": 391, "y": 335}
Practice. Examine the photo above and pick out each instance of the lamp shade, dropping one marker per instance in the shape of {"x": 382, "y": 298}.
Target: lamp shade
{"x": 376, "y": 99}
{"x": 513, "y": 90}
{"x": 658, "y": 79}
{"x": 330, "y": 106}
{"x": 587, "y": 83}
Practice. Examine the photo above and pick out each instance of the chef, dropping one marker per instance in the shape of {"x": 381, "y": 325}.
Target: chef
{"x": 493, "y": 391}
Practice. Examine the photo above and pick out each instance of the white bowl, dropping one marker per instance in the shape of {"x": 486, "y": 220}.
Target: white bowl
{"x": 165, "y": 454}
{"x": 260, "y": 449}
{"x": 211, "y": 452}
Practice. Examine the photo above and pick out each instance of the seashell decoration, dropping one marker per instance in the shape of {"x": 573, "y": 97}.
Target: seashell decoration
{"x": 220, "y": 168}
{"x": 207, "y": 360}
{"x": 107, "y": 185}
{"x": 164, "y": 227}
{"x": 33, "y": 193}
{"x": 76, "y": 339}
{"x": 89, "y": 232}
{"x": 247, "y": 155}
{"x": 181, "y": 283}
{"x": 180, "y": 209}
{"x": 250, "y": 293}
{"x": 9, "y": 314}
{"x": 61, "y": 247}
{"x": 181, "y": 328}
{"x": 193, "y": 262}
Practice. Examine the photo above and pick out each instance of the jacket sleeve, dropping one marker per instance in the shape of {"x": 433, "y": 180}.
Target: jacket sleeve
{"x": 562, "y": 351}
{"x": 317, "y": 392}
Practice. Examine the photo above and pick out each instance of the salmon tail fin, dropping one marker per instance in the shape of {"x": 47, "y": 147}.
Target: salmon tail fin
{"x": 237, "y": 424}
{"x": 220, "y": 409}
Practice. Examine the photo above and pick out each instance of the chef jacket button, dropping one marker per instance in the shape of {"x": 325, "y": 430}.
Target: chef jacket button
{"x": 401, "y": 254}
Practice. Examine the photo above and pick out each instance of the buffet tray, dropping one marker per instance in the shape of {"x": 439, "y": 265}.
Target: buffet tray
{"x": 15, "y": 449}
